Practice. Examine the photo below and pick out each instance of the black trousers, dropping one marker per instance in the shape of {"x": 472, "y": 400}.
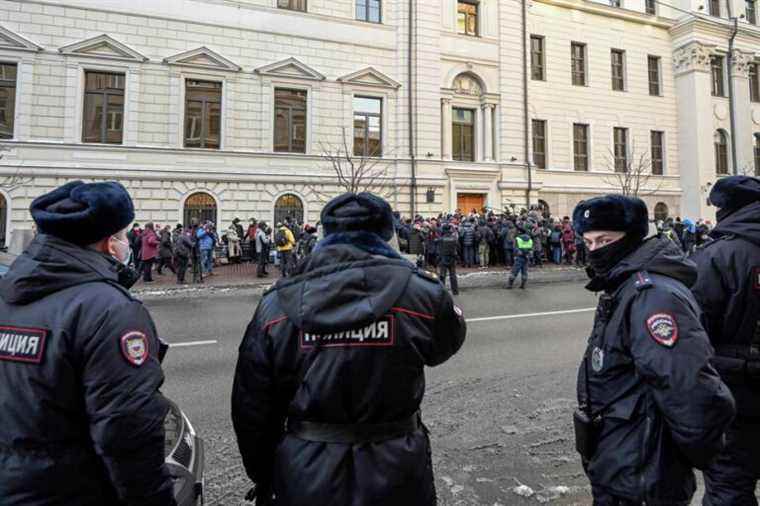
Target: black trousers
{"x": 181, "y": 268}
{"x": 147, "y": 268}
{"x": 261, "y": 268}
{"x": 450, "y": 267}
{"x": 732, "y": 477}
{"x": 165, "y": 262}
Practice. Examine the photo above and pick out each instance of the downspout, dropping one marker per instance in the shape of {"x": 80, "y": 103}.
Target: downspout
{"x": 526, "y": 136}
{"x": 411, "y": 112}
{"x": 731, "y": 100}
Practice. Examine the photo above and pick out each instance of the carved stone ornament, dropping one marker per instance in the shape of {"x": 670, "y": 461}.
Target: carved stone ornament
{"x": 466, "y": 85}
{"x": 692, "y": 56}
{"x": 741, "y": 62}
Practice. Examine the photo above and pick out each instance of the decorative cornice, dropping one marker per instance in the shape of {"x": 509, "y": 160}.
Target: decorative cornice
{"x": 12, "y": 40}
{"x": 103, "y": 46}
{"x": 369, "y": 77}
{"x": 290, "y": 68}
{"x": 692, "y": 57}
{"x": 740, "y": 63}
{"x": 202, "y": 57}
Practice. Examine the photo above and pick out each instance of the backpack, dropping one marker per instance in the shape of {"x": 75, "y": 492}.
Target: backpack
{"x": 280, "y": 239}
{"x": 556, "y": 236}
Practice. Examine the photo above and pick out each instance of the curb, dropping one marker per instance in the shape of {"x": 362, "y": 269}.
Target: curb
{"x": 469, "y": 281}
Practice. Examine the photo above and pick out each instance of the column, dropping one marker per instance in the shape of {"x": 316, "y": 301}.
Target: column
{"x": 488, "y": 132}
{"x": 744, "y": 138}
{"x": 446, "y": 128}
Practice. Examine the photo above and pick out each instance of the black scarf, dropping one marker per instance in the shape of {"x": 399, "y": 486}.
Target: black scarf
{"x": 602, "y": 260}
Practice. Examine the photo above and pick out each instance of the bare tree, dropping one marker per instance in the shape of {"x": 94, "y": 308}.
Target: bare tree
{"x": 632, "y": 176}
{"x": 356, "y": 173}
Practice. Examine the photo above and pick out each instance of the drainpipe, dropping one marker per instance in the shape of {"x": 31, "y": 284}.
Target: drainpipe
{"x": 731, "y": 100}
{"x": 526, "y": 137}
{"x": 411, "y": 112}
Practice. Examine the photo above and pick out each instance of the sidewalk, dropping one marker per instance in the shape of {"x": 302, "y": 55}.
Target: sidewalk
{"x": 243, "y": 276}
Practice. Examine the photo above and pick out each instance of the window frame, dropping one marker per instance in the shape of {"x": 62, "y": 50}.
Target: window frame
{"x": 620, "y": 80}
{"x": 714, "y": 8}
{"x": 718, "y": 86}
{"x": 204, "y": 113}
{"x": 620, "y": 150}
{"x": 650, "y": 7}
{"x": 105, "y": 94}
{"x": 750, "y": 13}
{"x": 657, "y": 163}
{"x": 753, "y": 76}
{"x": 583, "y": 59}
{"x": 12, "y": 104}
{"x": 541, "y": 55}
{"x": 543, "y": 139}
{"x": 756, "y": 152}
{"x": 366, "y": 18}
{"x": 368, "y": 115}
{"x": 721, "y": 152}
{"x": 290, "y": 7}
{"x": 585, "y": 156}
{"x": 658, "y": 70}
{"x": 466, "y": 33}
{"x": 290, "y": 119}
{"x": 454, "y": 123}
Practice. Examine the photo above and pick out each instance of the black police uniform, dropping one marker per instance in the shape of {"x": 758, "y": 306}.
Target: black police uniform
{"x": 81, "y": 418}
{"x": 728, "y": 289}
{"x": 330, "y": 378}
{"x": 646, "y": 371}
{"x": 447, "y": 247}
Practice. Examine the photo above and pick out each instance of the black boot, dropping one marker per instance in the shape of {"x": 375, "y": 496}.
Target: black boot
{"x": 522, "y": 283}
{"x": 511, "y": 283}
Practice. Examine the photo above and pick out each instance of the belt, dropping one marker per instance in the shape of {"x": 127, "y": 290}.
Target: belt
{"x": 352, "y": 433}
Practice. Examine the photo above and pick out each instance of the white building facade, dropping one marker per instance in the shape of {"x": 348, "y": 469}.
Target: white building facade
{"x": 217, "y": 110}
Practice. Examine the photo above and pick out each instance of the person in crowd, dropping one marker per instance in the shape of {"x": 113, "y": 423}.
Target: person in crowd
{"x": 285, "y": 243}
{"x": 651, "y": 407}
{"x": 165, "y": 251}
{"x": 234, "y": 250}
{"x": 689, "y": 236}
{"x": 467, "y": 236}
{"x": 250, "y": 238}
{"x": 568, "y": 241}
{"x": 509, "y": 243}
{"x": 240, "y": 234}
{"x": 728, "y": 290}
{"x": 307, "y": 241}
{"x": 484, "y": 246}
{"x": 134, "y": 236}
{"x": 82, "y": 418}
{"x": 523, "y": 252}
{"x": 581, "y": 253}
{"x": 555, "y": 242}
{"x": 206, "y": 240}
{"x": 448, "y": 244}
{"x": 184, "y": 245}
{"x": 537, "y": 237}
{"x": 149, "y": 252}
{"x": 262, "y": 249}
{"x": 348, "y": 437}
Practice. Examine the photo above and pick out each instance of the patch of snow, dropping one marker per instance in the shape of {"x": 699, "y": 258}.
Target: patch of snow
{"x": 523, "y": 491}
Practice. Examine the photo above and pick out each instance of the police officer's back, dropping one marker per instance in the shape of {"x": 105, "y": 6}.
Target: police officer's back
{"x": 339, "y": 351}
{"x": 81, "y": 418}
{"x": 651, "y": 405}
{"x": 728, "y": 289}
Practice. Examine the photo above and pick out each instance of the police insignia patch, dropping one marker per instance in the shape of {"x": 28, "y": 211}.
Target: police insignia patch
{"x": 134, "y": 347}
{"x": 597, "y": 359}
{"x": 663, "y": 329}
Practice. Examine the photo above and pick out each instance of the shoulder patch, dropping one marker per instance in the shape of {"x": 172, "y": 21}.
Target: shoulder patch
{"x": 663, "y": 329}
{"x": 25, "y": 345}
{"x": 643, "y": 280}
{"x": 135, "y": 348}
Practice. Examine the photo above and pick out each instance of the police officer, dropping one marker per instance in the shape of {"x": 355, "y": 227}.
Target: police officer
{"x": 523, "y": 251}
{"x": 448, "y": 244}
{"x": 651, "y": 405}
{"x": 330, "y": 376}
{"x": 728, "y": 289}
{"x": 82, "y": 418}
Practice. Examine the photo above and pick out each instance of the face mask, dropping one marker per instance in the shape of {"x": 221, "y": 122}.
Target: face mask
{"x": 602, "y": 260}
{"x": 128, "y": 257}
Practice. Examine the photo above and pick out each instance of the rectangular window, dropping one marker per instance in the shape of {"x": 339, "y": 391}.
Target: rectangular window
{"x": 580, "y": 147}
{"x": 7, "y": 99}
{"x": 539, "y": 143}
{"x": 716, "y": 66}
{"x": 203, "y": 114}
{"x": 617, "y": 61}
{"x": 463, "y": 129}
{"x": 467, "y": 17}
{"x": 653, "y": 62}
{"x": 615, "y": 3}
{"x": 289, "y": 121}
{"x": 368, "y": 126}
{"x": 750, "y": 11}
{"x": 714, "y": 6}
{"x": 754, "y": 83}
{"x": 103, "y": 114}
{"x": 621, "y": 149}
{"x": 293, "y": 5}
{"x": 656, "y": 141}
{"x": 578, "y": 56}
{"x": 537, "y": 58}
{"x": 651, "y": 7}
{"x": 368, "y": 10}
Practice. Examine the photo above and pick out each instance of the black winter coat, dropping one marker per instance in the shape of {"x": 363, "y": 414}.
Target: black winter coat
{"x": 728, "y": 289}
{"x": 81, "y": 417}
{"x": 350, "y": 381}
{"x": 664, "y": 407}
{"x": 468, "y": 234}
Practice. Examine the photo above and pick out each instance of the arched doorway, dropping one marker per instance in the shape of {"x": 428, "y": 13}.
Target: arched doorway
{"x": 199, "y": 206}
{"x": 661, "y": 211}
{"x": 3, "y": 220}
{"x": 288, "y": 205}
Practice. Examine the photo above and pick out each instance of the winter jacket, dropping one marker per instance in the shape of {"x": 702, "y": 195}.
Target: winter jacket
{"x": 150, "y": 243}
{"x": 468, "y": 234}
{"x": 262, "y": 240}
{"x": 206, "y": 239}
{"x": 343, "y": 341}
{"x": 728, "y": 289}
{"x": 165, "y": 246}
{"x": 647, "y": 370}
{"x": 183, "y": 245}
{"x": 81, "y": 417}
{"x": 289, "y": 237}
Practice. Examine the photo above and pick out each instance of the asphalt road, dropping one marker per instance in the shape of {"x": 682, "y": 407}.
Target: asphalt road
{"x": 499, "y": 411}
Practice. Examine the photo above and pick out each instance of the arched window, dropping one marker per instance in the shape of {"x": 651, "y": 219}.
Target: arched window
{"x": 661, "y": 211}
{"x": 288, "y": 205}
{"x": 200, "y": 207}
{"x": 467, "y": 84}
{"x": 3, "y": 220}
{"x": 721, "y": 152}
{"x": 757, "y": 154}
